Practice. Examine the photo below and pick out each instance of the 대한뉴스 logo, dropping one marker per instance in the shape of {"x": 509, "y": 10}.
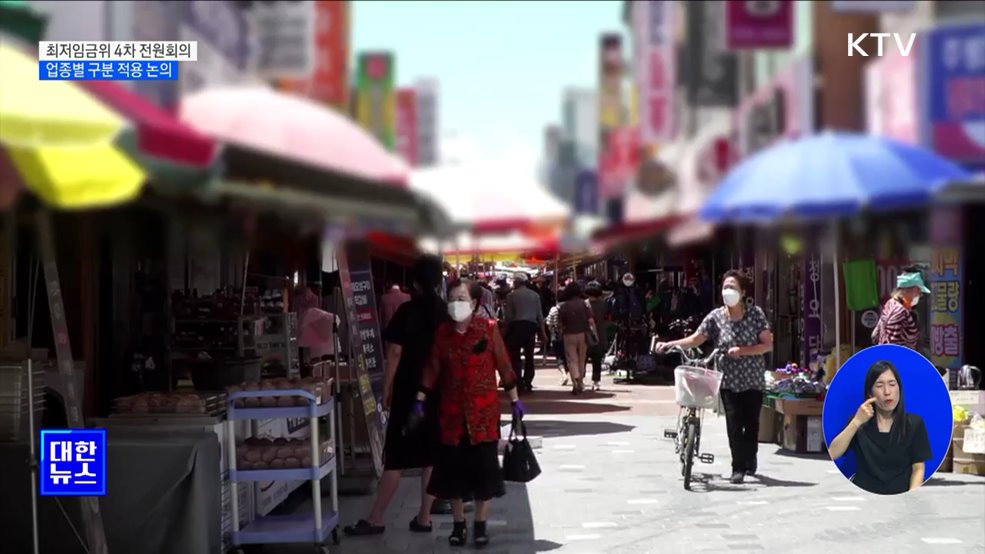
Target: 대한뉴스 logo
{"x": 855, "y": 43}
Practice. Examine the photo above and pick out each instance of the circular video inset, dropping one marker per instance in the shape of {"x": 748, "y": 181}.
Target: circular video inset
{"x": 888, "y": 419}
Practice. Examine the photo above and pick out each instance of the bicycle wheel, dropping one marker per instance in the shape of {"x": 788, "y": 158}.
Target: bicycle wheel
{"x": 692, "y": 437}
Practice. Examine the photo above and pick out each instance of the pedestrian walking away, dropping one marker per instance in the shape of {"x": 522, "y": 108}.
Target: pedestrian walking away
{"x": 743, "y": 332}
{"x": 524, "y": 322}
{"x": 467, "y": 355}
{"x": 577, "y": 325}
{"x": 553, "y": 324}
{"x": 409, "y": 339}
{"x": 600, "y": 314}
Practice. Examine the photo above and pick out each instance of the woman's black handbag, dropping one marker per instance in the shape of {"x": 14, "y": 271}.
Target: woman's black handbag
{"x": 519, "y": 463}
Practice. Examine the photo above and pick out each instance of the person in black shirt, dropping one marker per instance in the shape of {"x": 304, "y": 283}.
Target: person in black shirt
{"x": 890, "y": 445}
{"x": 409, "y": 338}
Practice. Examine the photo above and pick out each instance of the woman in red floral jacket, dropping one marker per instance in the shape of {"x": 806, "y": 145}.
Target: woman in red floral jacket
{"x": 467, "y": 355}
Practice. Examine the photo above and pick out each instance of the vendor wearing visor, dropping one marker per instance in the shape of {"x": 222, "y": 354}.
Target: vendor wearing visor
{"x": 897, "y": 324}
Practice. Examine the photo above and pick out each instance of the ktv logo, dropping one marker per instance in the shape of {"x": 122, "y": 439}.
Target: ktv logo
{"x": 855, "y": 43}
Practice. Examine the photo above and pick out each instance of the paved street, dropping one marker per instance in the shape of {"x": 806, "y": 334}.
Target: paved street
{"x": 611, "y": 484}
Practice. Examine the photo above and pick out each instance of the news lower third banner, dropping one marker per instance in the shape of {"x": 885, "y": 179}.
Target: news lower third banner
{"x": 113, "y": 70}
{"x": 73, "y": 462}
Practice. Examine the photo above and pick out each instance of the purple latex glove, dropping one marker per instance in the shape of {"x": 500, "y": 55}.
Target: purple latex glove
{"x": 418, "y": 408}
{"x": 415, "y": 418}
{"x": 518, "y": 409}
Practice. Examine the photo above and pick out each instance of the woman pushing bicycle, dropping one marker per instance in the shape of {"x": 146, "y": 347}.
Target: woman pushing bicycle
{"x": 744, "y": 333}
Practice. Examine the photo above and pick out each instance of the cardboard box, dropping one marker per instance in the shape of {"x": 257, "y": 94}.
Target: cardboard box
{"x": 800, "y": 407}
{"x": 971, "y": 400}
{"x": 767, "y": 425}
{"x": 802, "y": 434}
{"x": 970, "y": 468}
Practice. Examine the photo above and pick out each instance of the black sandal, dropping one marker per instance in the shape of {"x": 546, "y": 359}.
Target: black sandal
{"x": 481, "y": 537}
{"x": 363, "y": 528}
{"x": 459, "y": 534}
{"x": 416, "y": 527}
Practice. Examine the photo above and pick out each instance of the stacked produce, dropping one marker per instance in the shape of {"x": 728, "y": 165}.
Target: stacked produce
{"x": 169, "y": 403}
{"x": 261, "y": 453}
{"x": 315, "y": 385}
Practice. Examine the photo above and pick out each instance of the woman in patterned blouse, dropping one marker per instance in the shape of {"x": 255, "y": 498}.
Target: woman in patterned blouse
{"x": 467, "y": 355}
{"x": 743, "y": 332}
{"x": 896, "y": 323}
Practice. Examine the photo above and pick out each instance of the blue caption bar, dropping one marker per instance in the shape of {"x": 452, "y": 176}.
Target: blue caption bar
{"x": 144, "y": 70}
{"x": 73, "y": 462}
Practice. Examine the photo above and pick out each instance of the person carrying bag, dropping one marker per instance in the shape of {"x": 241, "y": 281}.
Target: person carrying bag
{"x": 519, "y": 463}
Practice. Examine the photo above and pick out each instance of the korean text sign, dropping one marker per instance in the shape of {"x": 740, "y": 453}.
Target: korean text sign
{"x": 811, "y": 308}
{"x": 954, "y": 66}
{"x": 946, "y": 299}
{"x": 73, "y": 462}
{"x": 107, "y": 71}
{"x": 657, "y": 65}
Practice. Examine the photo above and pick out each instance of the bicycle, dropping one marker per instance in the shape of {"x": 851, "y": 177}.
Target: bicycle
{"x": 697, "y": 389}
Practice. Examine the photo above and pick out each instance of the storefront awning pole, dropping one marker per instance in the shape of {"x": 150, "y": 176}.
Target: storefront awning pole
{"x": 242, "y": 294}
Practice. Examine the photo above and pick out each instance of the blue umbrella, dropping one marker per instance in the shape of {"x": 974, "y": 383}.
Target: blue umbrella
{"x": 829, "y": 175}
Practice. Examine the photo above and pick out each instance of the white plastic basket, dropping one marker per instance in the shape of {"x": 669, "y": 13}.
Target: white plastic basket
{"x": 697, "y": 387}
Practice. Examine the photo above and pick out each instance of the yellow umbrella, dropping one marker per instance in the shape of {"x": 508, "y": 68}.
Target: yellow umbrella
{"x": 61, "y": 139}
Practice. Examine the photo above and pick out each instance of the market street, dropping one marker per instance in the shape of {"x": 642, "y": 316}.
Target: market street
{"x": 611, "y": 484}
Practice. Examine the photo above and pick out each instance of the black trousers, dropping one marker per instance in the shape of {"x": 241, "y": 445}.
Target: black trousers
{"x": 521, "y": 339}
{"x": 595, "y": 355}
{"x": 742, "y": 423}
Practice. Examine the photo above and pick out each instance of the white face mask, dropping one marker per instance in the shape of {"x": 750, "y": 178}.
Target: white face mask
{"x": 731, "y": 297}
{"x": 915, "y": 301}
{"x": 628, "y": 282}
{"x": 459, "y": 310}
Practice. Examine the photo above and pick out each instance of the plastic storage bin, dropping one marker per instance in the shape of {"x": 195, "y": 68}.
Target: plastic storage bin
{"x": 696, "y": 387}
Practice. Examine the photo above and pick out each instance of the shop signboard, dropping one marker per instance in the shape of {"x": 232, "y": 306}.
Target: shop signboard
{"x": 946, "y": 274}
{"x": 619, "y": 161}
{"x": 610, "y": 82}
{"x": 427, "y": 122}
{"x": 711, "y": 76}
{"x": 286, "y": 38}
{"x": 329, "y": 82}
{"x": 356, "y": 274}
{"x": 954, "y": 79}
{"x": 376, "y": 105}
{"x": 657, "y": 69}
{"x": 891, "y": 95}
{"x": 587, "y": 192}
{"x": 810, "y": 307}
{"x": 407, "y": 131}
{"x": 783, "y": 109}
{"x": 224, "y": 38}
{"x": 755, "y": 25}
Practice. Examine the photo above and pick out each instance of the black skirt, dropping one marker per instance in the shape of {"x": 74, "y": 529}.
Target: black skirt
{"x": 467, "y": 472}
{"x": 411, "y": 450}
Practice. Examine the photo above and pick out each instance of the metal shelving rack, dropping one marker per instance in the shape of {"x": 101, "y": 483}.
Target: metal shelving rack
{"x": 282, "y": 344}
{"x": 314, "y": 527}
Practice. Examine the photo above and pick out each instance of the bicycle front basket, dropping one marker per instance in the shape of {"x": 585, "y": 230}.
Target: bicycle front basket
{"x": 697, "y": 387}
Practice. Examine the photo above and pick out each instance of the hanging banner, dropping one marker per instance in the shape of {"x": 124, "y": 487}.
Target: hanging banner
{"x": 954, "y": 77}
{"x": 587, "y": 192}
{"x": 712, "y": 72}
{"x": 376, "y": 105}
{"x": 407, "y": 131}
{"x": 891, "y": 95}
{"x": 329, "y": 82}
{"x": 427, "y": 122}
{"x": 619, "y": 161}
{"x": 356, "y": 274}
{"x": 657, "y": 69}
{"x": 946, "y": 297}
{"x": 810, "y": 306}
{"x": 752, "y": 25}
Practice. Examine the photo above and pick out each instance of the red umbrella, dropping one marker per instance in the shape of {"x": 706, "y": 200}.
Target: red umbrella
{"x": 292, "y": 127}
{"x": 159, "y": 133}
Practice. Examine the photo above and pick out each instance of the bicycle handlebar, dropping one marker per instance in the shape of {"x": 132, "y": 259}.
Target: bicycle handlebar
{"x": 694, "y": 361}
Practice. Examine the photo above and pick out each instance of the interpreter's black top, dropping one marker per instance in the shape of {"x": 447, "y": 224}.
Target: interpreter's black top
{"x": 885, "y": 460}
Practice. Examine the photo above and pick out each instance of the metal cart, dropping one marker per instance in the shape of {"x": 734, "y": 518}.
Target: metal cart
{"x": 312, "y": 527}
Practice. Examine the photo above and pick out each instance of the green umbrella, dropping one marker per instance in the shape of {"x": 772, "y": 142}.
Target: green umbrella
{"x": 19, "y": 19}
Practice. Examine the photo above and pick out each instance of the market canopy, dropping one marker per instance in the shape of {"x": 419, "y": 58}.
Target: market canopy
{"x": 491, "y": 198}
{"x": 60, "y": 139}
{"x": 831, "y": 175}
{"x": 292, "y": 127}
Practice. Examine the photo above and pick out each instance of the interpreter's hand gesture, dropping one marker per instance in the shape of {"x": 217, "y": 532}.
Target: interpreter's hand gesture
{"x": 865, "y": 412}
